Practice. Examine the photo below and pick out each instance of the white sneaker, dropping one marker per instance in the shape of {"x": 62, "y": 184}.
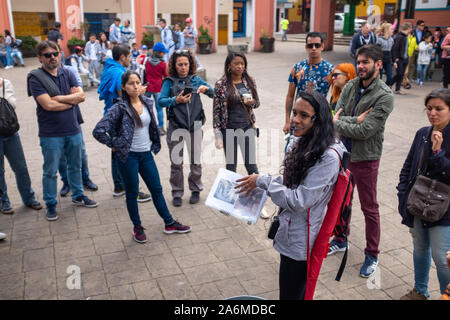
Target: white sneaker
{"x": 8, "y": 67}
{"x": 2, "y": 236}
{"x": 264, "y": 214}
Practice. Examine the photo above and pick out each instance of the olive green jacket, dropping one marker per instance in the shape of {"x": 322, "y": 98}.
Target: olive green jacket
{"x": 367, "y": 137}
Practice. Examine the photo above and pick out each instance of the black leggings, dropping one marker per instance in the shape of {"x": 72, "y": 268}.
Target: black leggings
{"x": 292, "y": 279}
{"x": 400, "y": 72}
{"x": 247, "y": 144}
{"x": 446, "y": 72}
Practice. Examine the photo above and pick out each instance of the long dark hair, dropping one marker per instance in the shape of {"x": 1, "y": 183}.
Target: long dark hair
{"x": 134, "y": 114}
{"x": 310, "y": 147}
{"x": 227, "y": 73}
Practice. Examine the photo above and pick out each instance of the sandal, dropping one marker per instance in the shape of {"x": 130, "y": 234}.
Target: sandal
{"x": 407, "y": 86}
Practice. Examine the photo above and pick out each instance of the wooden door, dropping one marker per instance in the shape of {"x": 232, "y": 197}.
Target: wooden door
{"x": 223, "y": 29}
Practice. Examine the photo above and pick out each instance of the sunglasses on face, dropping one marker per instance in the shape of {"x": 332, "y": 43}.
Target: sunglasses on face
{"x": 50, "y": 54}
{"x": 335, "y": 75}
{"x": 311, "y": 45}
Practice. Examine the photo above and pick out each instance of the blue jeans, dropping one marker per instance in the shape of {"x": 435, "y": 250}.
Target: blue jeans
{"x": 84, "y": 165}
{"x": 143, "y": 163}
{"x": 3, "y": 60}
{"x": 52, "y": 150}
{"x": 159, "y": 110}
{"x": 17, "y": 54}
{"x": 11, "y": 147}
{"x": 421, "y": 71}
{"x": 431, "y": 242}
{"x": 387, "y": 67}
{"x": 9, "y": 59}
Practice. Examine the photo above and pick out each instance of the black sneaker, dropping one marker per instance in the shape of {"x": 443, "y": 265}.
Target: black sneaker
{"x": 34, "y": 205}
{"x": 64, "y": 190}
{"x": 143, "y": 197}
{"x": 89, "y": 185}
{"x": 84, "y": 202}
{"x": 139, "y": 234}
{"x": 177, "y": 201}
{"x": 162, "y": 132}
{"x": 51, "y": 214}
{"x": 195, "y": 197}
{"x": 176, "y": 227}
{"x": 118, "y": 192}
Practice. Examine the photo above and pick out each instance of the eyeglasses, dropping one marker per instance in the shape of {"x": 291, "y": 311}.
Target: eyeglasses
{"x": 311, "y": 45}
{"x": 335, "y": 75}
{"x": 184, "y": 52}
{"x": 48, "y": 55}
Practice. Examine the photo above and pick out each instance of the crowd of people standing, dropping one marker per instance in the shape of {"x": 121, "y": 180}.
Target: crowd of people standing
{"x": 319, "y": 133}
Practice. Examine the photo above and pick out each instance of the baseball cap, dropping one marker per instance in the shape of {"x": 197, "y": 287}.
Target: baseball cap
{"x": 144, "y": 47}
{"x": 159, "y": 46}
{"x": 188, "y": 19}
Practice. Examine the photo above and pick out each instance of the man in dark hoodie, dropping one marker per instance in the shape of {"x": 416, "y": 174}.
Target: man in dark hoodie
{"x": 110, "y": 89}
{"x": 155, "y": 72}
{"x": 400, "y": 56}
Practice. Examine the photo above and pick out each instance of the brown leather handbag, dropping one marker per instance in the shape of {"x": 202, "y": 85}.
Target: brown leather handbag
{"x": 429, "y": 198}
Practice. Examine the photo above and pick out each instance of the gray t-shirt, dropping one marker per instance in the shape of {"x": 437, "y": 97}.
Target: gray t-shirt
{"x": 141, "y": 138}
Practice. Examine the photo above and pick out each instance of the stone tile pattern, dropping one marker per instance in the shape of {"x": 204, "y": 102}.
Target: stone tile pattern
{"x": 222, "y": 256}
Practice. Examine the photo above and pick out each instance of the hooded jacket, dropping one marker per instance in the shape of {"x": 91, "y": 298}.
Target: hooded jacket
{"x": 313, "y": 193}
{"x": 155, "y": 72}
{"x": 116, "y": 129}
{"x": 110, "y": 83}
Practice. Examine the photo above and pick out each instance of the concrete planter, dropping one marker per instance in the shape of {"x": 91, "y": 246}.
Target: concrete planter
{"x": 240, "y": 48}
{"x": 267, "y": 44}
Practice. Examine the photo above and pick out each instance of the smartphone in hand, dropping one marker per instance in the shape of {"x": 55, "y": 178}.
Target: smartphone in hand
{"x": 187, "y": 90}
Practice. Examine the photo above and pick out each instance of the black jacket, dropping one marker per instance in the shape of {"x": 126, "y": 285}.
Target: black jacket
{"x": 400, "y": 43}
{"x": 116, "y": 129}
{"x": 437, "y": 167}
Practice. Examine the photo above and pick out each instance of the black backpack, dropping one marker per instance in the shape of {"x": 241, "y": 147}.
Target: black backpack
{"x": 174, "y": 36}
{"x": 9, "y": 124}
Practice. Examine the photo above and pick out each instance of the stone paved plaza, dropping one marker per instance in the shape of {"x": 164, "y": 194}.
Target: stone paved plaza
{"x": 222, "y": 256}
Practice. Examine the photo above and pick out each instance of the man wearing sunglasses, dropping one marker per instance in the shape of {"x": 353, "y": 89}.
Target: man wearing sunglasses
{"x": 56, "y": 92}
{"x": 308, "y": 74}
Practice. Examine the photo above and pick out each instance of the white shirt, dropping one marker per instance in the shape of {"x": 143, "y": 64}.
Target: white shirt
{"x": 9, "y": 92}
{"x": 141, "y": 138}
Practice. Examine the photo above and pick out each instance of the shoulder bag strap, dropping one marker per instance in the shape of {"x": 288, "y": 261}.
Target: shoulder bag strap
{"x": 3, "y": 88}
{"x": 422, "y": 153}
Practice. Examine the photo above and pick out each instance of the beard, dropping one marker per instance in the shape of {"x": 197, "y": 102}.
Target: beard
{"x": 369, "y": 74}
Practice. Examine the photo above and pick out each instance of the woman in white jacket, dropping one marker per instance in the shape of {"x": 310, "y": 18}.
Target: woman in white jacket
{"x": 423, "y": 60}
{"x": 11, "y": 147}
{"x": 310, "y": 171}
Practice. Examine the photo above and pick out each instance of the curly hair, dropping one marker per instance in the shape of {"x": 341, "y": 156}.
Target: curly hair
{"x": 172, "y": 70}
{"x": 310, "y": 148}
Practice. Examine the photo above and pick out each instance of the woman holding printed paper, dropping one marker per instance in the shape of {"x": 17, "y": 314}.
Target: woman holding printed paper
{"x": 310, "y": 171}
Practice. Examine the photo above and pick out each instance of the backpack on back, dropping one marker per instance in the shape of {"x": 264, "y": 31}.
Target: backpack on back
{"x": 174, "y": 35}
{"x": 335, "y": 223}
{"x": 9, "y": 124}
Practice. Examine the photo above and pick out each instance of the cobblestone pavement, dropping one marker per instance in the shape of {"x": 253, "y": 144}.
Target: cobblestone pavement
{"x": 222, "y": 256}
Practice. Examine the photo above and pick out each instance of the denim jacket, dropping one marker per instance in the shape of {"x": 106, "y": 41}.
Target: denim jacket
{"x": 116, "y": 129}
